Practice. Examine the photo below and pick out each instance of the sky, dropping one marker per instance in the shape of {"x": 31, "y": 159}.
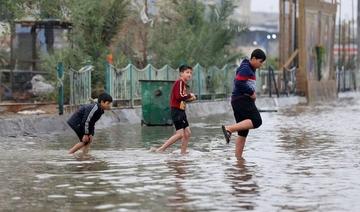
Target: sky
{"x": 273, "y": 5}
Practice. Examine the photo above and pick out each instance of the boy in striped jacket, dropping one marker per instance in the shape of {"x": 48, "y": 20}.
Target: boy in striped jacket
{"x": 178, "y": 100}
{"x": 243, "y": 99}
{"x": 83, "y": 121}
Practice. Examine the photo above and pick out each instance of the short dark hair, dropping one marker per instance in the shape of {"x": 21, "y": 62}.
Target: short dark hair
{"x": 258, "y": 54}
{"x": 105, "y": 98}
{"x": 182, "y": 68}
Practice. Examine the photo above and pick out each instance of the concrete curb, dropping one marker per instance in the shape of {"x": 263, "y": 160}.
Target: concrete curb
{"x": 33, "y": 125}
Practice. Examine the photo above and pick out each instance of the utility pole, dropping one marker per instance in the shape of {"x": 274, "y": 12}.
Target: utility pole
{"x": 358, "y": 39}
{"x": 353, "y": 43}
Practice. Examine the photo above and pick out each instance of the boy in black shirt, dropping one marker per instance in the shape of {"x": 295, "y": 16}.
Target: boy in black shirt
{"x": 83, "y": 121}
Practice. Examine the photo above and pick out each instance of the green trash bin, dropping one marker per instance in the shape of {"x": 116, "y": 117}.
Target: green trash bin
{"x": 155, "y": 100}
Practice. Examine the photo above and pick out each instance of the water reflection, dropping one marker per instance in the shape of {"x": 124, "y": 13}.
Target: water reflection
{"x": 177, "y": 200}
{"x": 243, "y": 185}
{"x": 155, "y": 136}
{"x": 86, "y": 164}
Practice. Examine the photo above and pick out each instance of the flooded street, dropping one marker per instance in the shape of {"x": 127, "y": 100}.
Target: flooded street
{"x": 303, "y": 158}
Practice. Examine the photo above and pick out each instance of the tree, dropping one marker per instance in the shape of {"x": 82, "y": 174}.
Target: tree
{"x": 9, "y": 11}
{"x": 189, "y": 32}
{"x": 95, "y": 24}
{"x": 133, "y": 38}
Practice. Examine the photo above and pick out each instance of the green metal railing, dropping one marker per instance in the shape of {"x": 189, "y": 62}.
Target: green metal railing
{"x": 123, "y": 83}
{"x": 80, "y": 85}
{"x": 60, "y": 78}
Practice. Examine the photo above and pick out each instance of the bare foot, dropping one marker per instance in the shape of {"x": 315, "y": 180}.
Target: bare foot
{"x": 152, "y": 149}
{"x": 160, "y": 150}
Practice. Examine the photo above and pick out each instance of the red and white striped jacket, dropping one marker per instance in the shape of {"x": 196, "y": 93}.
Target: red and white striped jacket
{"x": 178, "y": 94}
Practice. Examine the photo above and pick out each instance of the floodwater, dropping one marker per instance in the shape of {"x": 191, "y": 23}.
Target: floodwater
{"x": 302, "y": 158}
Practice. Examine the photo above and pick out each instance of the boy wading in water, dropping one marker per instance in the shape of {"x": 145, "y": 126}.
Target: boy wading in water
{"x": 178, "y": 100}
{"x": 243, "y": 99}
{"x": 83, "y": 121}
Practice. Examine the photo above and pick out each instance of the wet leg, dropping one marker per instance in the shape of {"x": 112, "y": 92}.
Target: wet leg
{"x": 239, "y": 147}
{"x": 178, "y": 135}
{"x": 76, "y": 147}
{"x": 243, "y": 125}
{"x": 185, "y": 140}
